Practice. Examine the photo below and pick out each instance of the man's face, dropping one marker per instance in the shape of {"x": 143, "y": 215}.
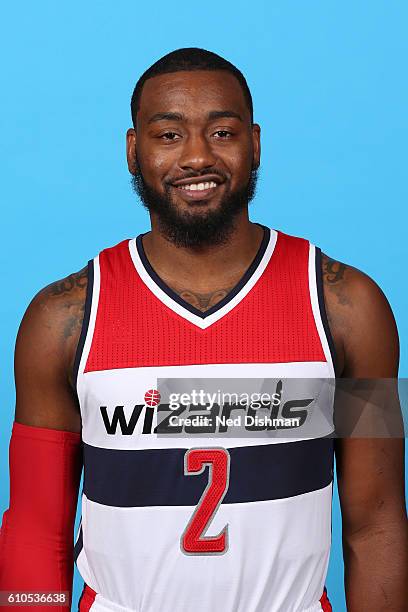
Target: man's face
{"x": 194, "y": 154}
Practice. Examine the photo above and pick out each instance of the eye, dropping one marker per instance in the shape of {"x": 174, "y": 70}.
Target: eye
{"x": 223, "y": 134}
{"x": 169, "y": 136}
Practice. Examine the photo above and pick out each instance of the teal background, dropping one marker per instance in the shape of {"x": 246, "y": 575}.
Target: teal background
{"x": 330, "y": 92}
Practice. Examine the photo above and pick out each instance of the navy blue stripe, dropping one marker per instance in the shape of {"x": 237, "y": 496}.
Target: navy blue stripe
{"x": 81, "y": 598}
{"x": 155, "y": 477}
{"x": 78, "y": 545}
{"x": 85, "y": 322}
{"x": 174, "y": 296}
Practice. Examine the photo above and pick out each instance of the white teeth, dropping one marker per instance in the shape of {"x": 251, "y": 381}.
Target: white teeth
{"x": 199, "y": 186}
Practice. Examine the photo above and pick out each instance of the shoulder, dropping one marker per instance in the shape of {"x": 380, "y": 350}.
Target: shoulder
{"x": 347, "y": 286}
{"x": 51, "y": 325}
{"x": 361, "y": 320}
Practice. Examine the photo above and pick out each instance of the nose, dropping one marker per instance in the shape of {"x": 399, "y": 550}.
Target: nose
{"x": 196, "y": 154}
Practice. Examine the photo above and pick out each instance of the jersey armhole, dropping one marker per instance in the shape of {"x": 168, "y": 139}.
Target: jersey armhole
{"x": 85, "y": 324}
{"x": 322, "y": 309}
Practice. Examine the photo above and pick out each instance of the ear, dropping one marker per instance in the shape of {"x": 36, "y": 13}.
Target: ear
{"x": 131, "y": 143}
{"x": 256, "y": 143}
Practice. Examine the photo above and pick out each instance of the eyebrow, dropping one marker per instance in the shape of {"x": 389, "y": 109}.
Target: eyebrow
{"x": 224, "y": 113}
{"x": 212, "y": 115}
{"x": 166, "y": 117}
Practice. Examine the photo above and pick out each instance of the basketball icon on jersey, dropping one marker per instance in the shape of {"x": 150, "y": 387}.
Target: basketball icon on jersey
{"x": 152, "y": 398}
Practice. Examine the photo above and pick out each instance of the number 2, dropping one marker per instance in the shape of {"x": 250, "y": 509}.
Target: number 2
{"x": 193, "y": 540}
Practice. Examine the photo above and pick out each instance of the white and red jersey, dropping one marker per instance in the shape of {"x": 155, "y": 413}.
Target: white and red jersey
{"x": 203, "y": 524}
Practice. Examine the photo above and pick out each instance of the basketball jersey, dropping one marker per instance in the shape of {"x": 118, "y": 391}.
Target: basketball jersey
{"x": 185, "y": 522}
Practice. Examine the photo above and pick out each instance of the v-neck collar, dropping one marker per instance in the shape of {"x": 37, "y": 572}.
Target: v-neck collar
{"x": 171, "y": 299}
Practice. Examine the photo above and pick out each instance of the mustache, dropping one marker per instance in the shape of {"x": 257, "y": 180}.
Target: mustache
{"x": 195, "y": 175}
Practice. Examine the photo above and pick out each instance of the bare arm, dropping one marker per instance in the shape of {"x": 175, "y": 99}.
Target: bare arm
{"x": 45, "y": 449}
{"x": 370, "y": 471}
{"x": 45, "y": 351}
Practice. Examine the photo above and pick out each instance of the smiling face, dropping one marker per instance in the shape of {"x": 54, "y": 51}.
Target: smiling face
{"x": 194, "y": 154}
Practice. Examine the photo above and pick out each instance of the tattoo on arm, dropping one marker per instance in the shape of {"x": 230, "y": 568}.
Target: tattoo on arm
{"x": 78, "y": 279}
{"x": 74, "y": 321}
{"x": 68, "y": 296}
{"x": 333, "y": 270}
{"x": 334, "y": 277}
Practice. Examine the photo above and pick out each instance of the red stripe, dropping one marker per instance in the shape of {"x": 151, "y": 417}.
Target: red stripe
{"x": 325, "y": 603}
{"x": 87, "y": 599}
{"x": 274, "y": 323}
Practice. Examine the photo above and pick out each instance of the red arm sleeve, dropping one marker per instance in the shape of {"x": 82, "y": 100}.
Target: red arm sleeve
{"x": 36, "y": 537}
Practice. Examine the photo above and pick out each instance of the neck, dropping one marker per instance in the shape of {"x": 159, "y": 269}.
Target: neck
{"x": 222, "y": 264}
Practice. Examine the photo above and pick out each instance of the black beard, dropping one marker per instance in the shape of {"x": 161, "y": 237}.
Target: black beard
{"x": 195, "y": 230}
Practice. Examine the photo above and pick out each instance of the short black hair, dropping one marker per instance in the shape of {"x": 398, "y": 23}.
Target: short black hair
{"x": 189, "y": 58}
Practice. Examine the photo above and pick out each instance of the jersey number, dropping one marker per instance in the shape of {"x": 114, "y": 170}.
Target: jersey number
{"x": 193, "y": 540}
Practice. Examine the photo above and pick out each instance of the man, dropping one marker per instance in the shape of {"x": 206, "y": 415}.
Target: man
{"x": 205, "y": 294}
